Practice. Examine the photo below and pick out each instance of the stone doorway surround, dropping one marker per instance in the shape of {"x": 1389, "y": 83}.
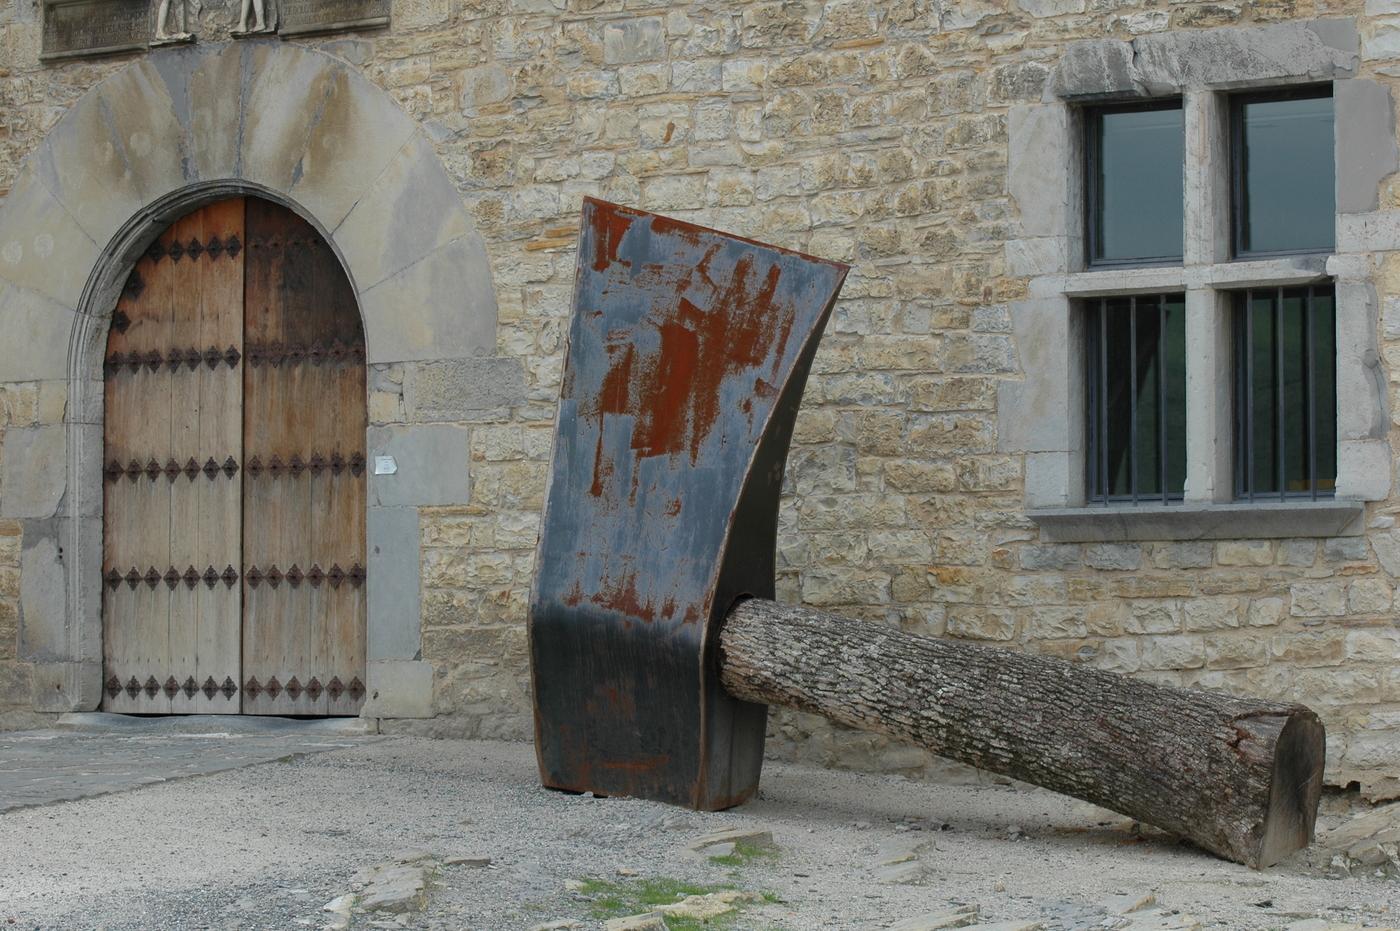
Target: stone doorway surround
{"x": 173, "y": 131}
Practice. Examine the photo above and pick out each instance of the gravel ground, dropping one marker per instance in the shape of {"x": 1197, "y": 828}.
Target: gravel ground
{"x": 266, "y": 846}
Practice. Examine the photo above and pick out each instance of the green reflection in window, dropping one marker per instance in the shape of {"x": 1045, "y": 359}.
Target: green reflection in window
{"x": 1136, "y": 187}
{"x": 1285, "y": 199}
{"x": 1286, "y": 402}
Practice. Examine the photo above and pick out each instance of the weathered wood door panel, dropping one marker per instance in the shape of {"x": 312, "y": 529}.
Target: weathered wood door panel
{"x": 304, "y": 512}
{"x": 174, "y": 373}
{"x": 235, "y": 492}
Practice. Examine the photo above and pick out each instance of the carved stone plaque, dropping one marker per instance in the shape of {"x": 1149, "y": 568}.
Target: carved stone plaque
{"x": 94, "y": 27}
{"x": 298, "y": 17}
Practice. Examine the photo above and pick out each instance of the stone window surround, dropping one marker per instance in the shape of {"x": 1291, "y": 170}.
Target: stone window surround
{"x": 318, "y": 138}
{"x": 1043, "y": 416}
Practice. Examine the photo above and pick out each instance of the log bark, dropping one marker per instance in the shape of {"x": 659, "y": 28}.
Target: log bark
{"x": 1240, "y": 777}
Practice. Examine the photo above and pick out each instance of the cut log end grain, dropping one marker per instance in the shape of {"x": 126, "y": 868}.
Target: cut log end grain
{"x": 1241, "y": 777}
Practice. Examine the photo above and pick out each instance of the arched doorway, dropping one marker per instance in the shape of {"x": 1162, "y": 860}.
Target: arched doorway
{"x": 234, "y": 494}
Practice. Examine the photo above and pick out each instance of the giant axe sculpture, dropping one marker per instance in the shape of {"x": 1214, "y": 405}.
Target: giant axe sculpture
{"x": 655, "y": 645}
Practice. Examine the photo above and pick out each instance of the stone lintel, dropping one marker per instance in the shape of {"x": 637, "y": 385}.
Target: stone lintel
{"x": 1166, "y": 63}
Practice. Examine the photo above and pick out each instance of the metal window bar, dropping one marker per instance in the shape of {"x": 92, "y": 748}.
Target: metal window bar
{"x": 1247, "y": 427}
{"x": 1132, "y": 400}
{"x": 1162, "y": 397}
{"x": 1100, "y": 478}
{"x": 1280, "y": 454}
{"x": 1310, "y": 373}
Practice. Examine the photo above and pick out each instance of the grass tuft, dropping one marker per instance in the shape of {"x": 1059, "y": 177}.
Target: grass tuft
{"x": 745, "y": 853}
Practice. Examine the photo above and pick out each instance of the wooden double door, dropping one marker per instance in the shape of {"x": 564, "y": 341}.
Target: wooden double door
{"x": 234, "y": 505}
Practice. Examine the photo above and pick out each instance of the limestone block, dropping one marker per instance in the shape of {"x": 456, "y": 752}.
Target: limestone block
{"x": 1310, "y": 648}
{"x": 1120, "y": 655}
{"x": 84, "y": 162}
{"x": 43, "y": 597}
{"x": 393, "y": 631}
{"x": 1050, "y": 479}
{"x": 1094, "y": 68}
{"x": 1180, "y": 652}
{"x": 1037, "y": 170}
{"x": 463, "y": 389}
{"x": 1120, "y": 556}
{"x": 207, "y": 83}
{"x": 1265, "y": 612}
{"x": 282, "y": 105}
{"x": 1042, "y": 8}
{"x": 1360, "y": 378}
{"x": 1370, "y": 596}
{"x": 1301, "y": 553}
{"x": 442, "y": 307}
{"x": 357, "y": 130}
{"x": 1378, "y": 749}
{"x": 633, "y": 40}
{"x": 1046, "y": 255}
{"x": 483, "y": 86}
{"x": 1369, "y": 232}
{"x": 1366, "y": 146}
{"x": 1382, "y": 42}
{"x": 1032, "y": 414}
{"x": 411, "y": 211}
{"x": 66, "y": 686}
{"x": 1363, "y": 469}
{"x": 42, "y": 248}
{"x": 1060, "y": 556}
{"x": 399, "y": 689}
{"x": 33, "y": 471}
{"x": 431, "y": 462}
{"x": 37, "y": 333}
{"x": 1244, "y": 553}
{"x": 1318, "y": 599}
{"x": 977, "y": 623}
{"x": 1151, "y": 616}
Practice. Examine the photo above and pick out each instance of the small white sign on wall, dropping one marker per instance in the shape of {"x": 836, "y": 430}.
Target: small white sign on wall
{"x": 385, "y": 465}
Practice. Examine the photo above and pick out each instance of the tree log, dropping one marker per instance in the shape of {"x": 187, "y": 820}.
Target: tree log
{"x": 1240, "y": 777}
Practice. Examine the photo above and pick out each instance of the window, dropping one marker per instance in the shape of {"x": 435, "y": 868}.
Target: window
{"x": 1134, "y": 183}
{"x": 1136, "y": 355}
{"x": 1285, "y": 393}
{"x": 1284, "y": 198}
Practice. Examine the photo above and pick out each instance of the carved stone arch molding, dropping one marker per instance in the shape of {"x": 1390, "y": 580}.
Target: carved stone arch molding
{"x": 171, "y": 132}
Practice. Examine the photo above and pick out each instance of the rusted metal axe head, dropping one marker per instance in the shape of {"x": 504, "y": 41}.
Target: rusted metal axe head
{"x": 688, "y": 353}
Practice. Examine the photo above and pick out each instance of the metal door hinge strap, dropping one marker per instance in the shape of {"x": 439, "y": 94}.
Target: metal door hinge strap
{"x": 113, "y": 686}
{"x": 172, "y": 577}
{"x": 172, "y": 469}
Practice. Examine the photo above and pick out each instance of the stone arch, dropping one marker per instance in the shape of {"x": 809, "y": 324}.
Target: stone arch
{"x": 175, "y": 130}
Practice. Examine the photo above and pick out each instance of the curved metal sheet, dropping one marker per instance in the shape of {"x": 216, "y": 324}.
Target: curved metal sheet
{"x": 688, "y": 352}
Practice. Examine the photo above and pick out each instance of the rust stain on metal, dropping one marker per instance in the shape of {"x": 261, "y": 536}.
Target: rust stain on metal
{"x": 676, "y": 396}
{"x": 609, "y": 227}
{"x": 622, "y": 597}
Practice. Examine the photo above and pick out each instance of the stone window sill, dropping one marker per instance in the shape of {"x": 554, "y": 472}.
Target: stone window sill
{"x": 1111, "y": 282}
{"x": 1199, "y": 521}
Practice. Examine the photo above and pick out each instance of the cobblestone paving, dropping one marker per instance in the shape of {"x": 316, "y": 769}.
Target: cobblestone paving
{"x": 62, "y": 764}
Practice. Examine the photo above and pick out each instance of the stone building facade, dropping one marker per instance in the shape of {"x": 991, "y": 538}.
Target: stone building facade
{"x": 936, "y": 480}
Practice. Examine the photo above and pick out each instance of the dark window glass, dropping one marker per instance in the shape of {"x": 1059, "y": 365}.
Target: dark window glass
{"x": 1136, "y": 158}
{"x": 1136, "y": 356}
{"x": 1285, "y": 392}
{"x": 1284, "y": 197}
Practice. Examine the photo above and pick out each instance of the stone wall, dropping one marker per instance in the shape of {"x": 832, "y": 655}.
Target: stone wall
{"x": 872, "y": 133}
